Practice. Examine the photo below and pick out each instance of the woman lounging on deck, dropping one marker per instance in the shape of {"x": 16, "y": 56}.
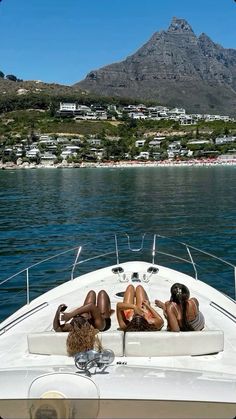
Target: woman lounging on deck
{"x": 181, "y": 311}
{"x": 135, "y": 312}
{"x": 84, "y": 322}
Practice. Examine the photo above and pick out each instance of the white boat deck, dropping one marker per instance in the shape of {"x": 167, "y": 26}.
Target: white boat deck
{"x": 153, "y": 375}
{"x": 14, "y": 346}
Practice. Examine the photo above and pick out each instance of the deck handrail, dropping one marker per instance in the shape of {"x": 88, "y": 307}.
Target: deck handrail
{"x": 205, "y": 253}
{"x": 154, "y": 251}
{"x": 198, "y": 250}
{"x": 26, "y": 270}
{"x": 38, "y": 263}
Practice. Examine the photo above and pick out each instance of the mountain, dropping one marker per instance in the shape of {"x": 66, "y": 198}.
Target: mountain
{"x": 174, "y": 68}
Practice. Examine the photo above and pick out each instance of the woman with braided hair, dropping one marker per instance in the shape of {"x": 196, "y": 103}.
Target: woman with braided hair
{"x": 181, "y": 311}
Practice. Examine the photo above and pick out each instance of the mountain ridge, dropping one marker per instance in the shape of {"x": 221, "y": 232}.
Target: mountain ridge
{"x": 175, "y": 68}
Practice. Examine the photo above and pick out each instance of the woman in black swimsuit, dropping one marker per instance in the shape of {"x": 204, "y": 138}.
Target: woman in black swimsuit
{"x": 97, "y": 313}
{"x": 84, "y": 322}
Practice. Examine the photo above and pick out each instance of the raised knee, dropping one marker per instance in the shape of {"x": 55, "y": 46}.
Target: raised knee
{"x": 91, "y": 296}
{"x": 102, "y": 292}
{"x": 91, "y": 292}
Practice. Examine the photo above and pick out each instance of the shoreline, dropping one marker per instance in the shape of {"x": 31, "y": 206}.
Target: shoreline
{"x": 120, "y": 164}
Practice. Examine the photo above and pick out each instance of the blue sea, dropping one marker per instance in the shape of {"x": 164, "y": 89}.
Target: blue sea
{"x": 47, "y": 211}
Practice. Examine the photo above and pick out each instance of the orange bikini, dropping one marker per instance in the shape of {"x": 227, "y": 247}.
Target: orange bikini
{"x": 129, "y": 313}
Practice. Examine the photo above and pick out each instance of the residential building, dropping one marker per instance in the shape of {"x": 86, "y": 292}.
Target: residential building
{"x": 48, "y": 159}
{"x": 225, "y": 140}
{"x": 137, "y": 115}
{"x": 199, "y": 142}
{"x": 155, "y": 143}
{"x": 186, "y": 120}
{"x": 33, "y": 153}
{"x": 67, "y": 107}
{"x": 177, "y": 111}
{"x": 174, "y": 149}
{"x": 45, "y": 137}
{"x": 94, "y": 141}
{"x": 101, "y": 114}
{"x": 139, "y": 143}
{"x": 143, "y": 155}
{"x": 70, "y": 151}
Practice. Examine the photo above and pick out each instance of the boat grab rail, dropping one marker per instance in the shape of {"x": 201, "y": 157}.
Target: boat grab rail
{"x": 198, "y": 250}
{"x": 202, "y": 252}
{"x": 223, "y": 311}
{"x": 38, "y": 263}
{"x": 73, "y": 266}
{"x": 22, "y": 317}
{"x": 93, "y": 258}
{"x": 154, "y": 252}
{"x": 26, "y": 270}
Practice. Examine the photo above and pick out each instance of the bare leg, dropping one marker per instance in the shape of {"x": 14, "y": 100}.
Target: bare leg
{"x": 90, "y": 298}
{"x": 141, "y": 296}
{"x": 104, "y": 304}
{"x": 129, "y": 295}
{"x": 173, "y": 323}
{"x": 126, "y": 308}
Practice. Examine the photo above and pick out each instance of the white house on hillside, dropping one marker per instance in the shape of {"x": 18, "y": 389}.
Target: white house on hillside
{"x": 140, "y": 143}
{"x": 67, "y": 106}
{"x": 70, "y": 151}
{"x": 33, "y": 152}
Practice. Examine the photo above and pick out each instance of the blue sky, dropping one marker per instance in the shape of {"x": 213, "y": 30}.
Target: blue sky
{"x": 62, "y": 40}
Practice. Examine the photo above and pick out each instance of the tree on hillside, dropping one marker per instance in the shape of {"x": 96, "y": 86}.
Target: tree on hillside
{"x": 2, "y": 75}
{"x": 11, "y": 77}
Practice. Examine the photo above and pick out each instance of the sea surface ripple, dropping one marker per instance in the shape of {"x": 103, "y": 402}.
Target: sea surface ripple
{"x": 46, "y": 211}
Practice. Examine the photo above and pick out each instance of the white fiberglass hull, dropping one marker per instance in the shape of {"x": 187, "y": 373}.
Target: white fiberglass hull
{"x": 176, "y": 381}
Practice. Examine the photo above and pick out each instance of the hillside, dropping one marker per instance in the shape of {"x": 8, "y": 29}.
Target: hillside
{"x": 174, "y": 68}
{"x": 8, "y": 87}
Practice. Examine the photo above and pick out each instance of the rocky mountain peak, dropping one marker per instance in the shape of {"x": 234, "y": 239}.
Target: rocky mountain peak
{"x": 205, "y": 39}
{"x": 180, "y": 26}
{"x": 174, "y": 68}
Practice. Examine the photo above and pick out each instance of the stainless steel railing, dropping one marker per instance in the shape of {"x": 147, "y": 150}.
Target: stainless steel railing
{"x": 119, "y": 248}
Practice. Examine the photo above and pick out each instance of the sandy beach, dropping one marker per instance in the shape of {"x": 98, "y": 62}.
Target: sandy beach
{"x": 123, "y": 164}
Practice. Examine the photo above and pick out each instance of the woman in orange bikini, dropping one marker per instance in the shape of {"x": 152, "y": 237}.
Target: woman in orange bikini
{"x": 135, "y": 312}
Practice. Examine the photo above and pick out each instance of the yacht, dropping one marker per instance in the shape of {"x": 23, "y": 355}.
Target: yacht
{"x": 154, "y": 374}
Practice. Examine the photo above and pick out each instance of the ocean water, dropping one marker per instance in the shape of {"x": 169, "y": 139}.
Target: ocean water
{"x": 47, "y": 211}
